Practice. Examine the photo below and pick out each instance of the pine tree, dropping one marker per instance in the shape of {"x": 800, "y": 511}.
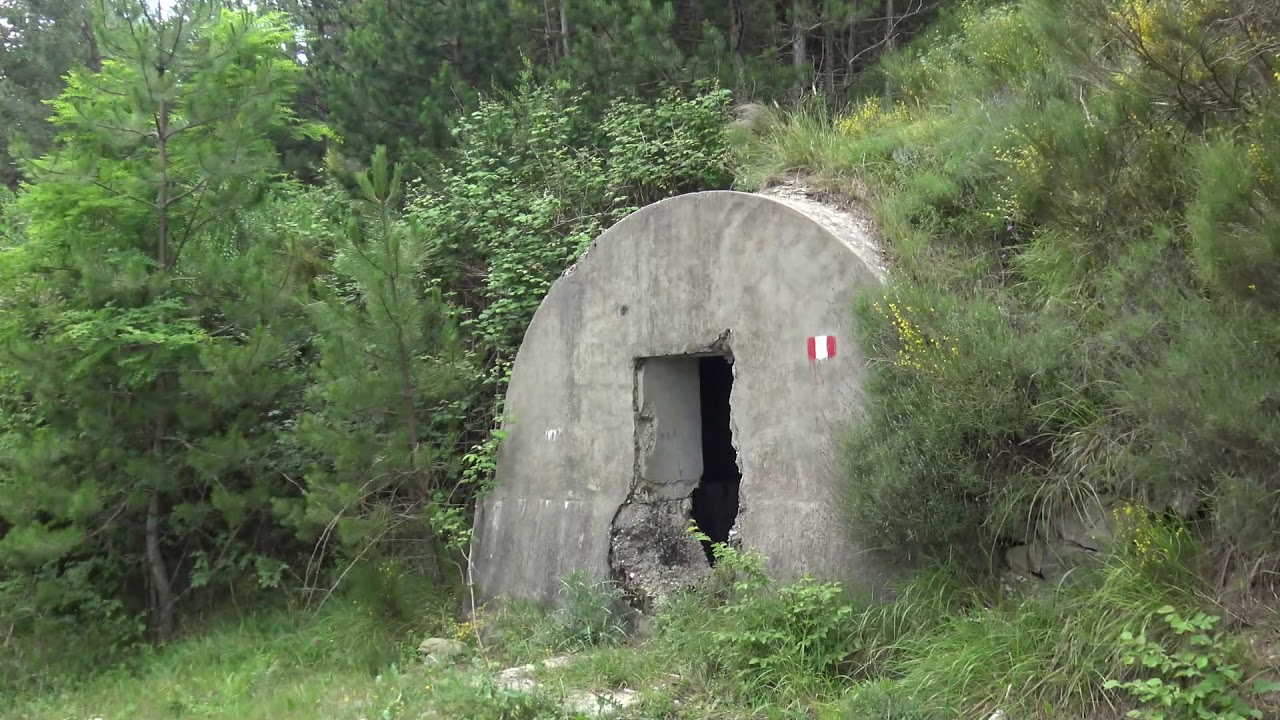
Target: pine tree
{"x": 385, "y": 406}
{"x": 139, "y": 336}
{"x": 407, "y": 68}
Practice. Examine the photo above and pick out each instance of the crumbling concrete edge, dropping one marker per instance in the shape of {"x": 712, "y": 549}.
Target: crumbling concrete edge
{"x": 853, "y": 229}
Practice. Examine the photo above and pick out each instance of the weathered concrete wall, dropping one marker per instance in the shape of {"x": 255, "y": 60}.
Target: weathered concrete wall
{"x": 751, "y": 274}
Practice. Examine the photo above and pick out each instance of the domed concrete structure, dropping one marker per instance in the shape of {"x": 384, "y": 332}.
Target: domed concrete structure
{"x": 699, "y": 363}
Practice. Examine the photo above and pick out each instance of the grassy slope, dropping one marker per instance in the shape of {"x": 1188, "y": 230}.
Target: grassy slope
{"x": 943, "y": 648}
{"x": 1078, "y": 236}
{"x": 263, "y": 670}
{"x": 345, "y": 663}
{"x": 1074, "y": 233}
{"x": 983, "y": 150}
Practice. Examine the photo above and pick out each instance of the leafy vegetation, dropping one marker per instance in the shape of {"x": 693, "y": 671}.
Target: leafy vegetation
{"x": 265, "y": 271}
{"x": 134, "y": 334}
{"x": 560, "y": 174}
{"x": 739, "y": 647}
{"x": 1199, "y": 681}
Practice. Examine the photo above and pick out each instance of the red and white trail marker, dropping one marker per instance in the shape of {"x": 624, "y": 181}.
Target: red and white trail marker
{"x": 822, "y": 347}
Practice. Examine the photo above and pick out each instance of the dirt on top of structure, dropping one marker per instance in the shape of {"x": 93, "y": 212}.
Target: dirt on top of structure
{"x": 842, "y": 216}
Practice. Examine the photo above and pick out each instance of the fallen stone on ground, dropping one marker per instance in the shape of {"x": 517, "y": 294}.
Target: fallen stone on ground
{"x": 584, "y": 702}
{"x": 600, "y": 704}
{"x": 440, "y": 650}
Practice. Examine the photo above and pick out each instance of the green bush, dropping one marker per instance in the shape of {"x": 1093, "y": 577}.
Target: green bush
{"x": 56, "y": 626}
{"x": 769, "y": 638}
{"x": 942, "y": 646}
{"x": 536, "y": 176}
{"x": 1200, "y": 677}
{"x": 795, "y": 631}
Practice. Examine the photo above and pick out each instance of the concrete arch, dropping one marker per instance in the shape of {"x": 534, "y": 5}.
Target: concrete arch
{"x": 598, "y": 465}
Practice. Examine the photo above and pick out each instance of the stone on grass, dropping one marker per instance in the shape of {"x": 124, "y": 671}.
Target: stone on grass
{"x": 441, "y": 650}
{"x": 600, "y": 704}
{"x": 582, "y": 702}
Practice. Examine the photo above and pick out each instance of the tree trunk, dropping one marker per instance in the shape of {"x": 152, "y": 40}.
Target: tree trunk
{"x": 828, "y": 50}
{"x": 162, "y": 192}
{"x": 849, "y": 52}
{"x": 799, "y": 53}
{"x": 889, "y": 23}
{"x": 403, "y": 357}
{"x": 163, "y": 611}
{"x": 93, "y": 58}
{"x": 781, "y": 28}
{"x": 549, "y": 33}
{"x": 735, "y": 29}
{"x": 564, "y": 27}
{"x": 406, "y": 397}
{"x": 687, "y": 30}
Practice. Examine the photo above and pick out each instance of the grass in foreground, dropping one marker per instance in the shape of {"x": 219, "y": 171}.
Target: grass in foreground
{"x": 746, "y": 648}
{"x": 272, "y": 666}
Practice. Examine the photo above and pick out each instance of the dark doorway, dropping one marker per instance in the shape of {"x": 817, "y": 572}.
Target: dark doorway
{"x": 715, "y": 500}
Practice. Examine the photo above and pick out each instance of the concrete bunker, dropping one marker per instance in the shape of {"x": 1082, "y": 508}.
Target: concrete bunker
{"x": 694, "y": 366}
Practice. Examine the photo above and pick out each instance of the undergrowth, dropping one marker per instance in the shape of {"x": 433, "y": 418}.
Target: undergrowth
{"x": 741, "y": 646}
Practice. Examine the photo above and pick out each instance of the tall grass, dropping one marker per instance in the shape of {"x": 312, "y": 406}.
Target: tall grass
{"x": 355, "y": 657}
{"x": 274, "y": 665}
{"x": 1050, "y": 650}
{"x": 944, "y": 647}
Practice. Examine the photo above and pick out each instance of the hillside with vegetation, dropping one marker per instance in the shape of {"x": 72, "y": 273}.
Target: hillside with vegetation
{"x": 265, "y": 267}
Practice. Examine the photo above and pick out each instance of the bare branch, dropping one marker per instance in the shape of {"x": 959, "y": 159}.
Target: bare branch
{"x": 887, "y": 37}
